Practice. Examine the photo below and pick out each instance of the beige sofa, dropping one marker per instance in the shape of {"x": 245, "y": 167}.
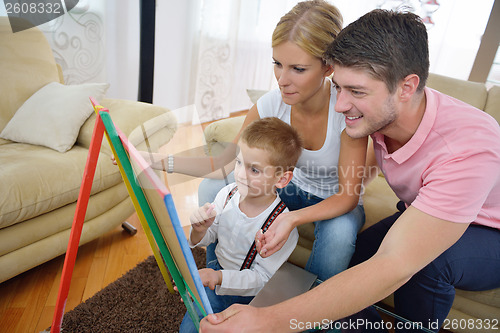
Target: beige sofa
{"x": 39, "y": 186}
{"x": 380, "y": 201}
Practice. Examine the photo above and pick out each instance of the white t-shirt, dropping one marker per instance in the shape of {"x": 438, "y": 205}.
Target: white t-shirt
{"x": 317, "y": 170}
{"x": 236, "y": 234}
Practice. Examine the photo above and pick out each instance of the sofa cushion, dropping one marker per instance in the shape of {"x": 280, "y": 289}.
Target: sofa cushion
{"x": 493, "y": 102}
{"x": 37, "y": 228}
{"x": 26, "y": 63}
{"x": 472, "y": 93}
{"x": 38, "y": 180}
{"x": 255, "y": 94}
{"x": 52, "y": 117}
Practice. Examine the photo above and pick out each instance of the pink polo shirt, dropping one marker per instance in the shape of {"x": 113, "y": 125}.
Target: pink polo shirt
{"x": 450, "y": 168}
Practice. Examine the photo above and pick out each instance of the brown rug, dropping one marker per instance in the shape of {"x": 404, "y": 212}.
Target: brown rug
{"x": 139, "y": 301}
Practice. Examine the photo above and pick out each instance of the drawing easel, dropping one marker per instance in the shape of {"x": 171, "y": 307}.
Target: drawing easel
{"x": 157, "y": 214}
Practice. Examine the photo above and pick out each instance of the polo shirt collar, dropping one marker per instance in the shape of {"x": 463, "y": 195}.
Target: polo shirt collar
{"x": 411, "y": 147}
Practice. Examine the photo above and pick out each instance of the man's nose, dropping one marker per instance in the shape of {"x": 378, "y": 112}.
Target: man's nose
{"x": 343, "y": 103}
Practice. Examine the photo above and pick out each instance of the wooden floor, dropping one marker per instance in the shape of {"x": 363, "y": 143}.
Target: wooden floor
{"x": 27, "y": 301}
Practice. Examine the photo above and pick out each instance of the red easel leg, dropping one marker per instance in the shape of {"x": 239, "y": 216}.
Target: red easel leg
{"x": 76, "y": 229}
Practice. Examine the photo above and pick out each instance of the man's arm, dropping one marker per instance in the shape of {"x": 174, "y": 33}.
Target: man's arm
{"x": 414, "y": 241}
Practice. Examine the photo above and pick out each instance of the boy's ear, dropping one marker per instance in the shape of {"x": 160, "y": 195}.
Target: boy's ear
{"x": 285, "y": 178}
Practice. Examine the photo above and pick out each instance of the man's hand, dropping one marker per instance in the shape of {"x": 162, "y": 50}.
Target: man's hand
{"x": 210, "y": 277}
{"x": 237, "y": 318}
{"x": 276, "y": 236}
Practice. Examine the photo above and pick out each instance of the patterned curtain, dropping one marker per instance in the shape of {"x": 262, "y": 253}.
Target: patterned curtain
{"x": 234, "y": 53}
{"x": 78, "y": 42}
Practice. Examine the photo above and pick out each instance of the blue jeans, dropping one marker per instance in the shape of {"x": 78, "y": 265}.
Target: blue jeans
{"x": 472, "y": 263}
{"x": 218, "y": 302}
{"x": 335, "y": 238}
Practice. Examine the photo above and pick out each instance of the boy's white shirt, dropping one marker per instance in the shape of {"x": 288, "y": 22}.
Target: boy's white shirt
{"x": 236, "y": 233}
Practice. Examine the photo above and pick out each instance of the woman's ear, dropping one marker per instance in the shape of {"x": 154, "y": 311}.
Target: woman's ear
{"x": 284, "y": 179}
{"x": 328, "y": 69}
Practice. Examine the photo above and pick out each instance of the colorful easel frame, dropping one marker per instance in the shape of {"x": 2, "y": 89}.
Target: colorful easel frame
{"x": 156, "y": 211}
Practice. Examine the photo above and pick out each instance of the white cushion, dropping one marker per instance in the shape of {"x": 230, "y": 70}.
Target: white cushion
{"x": 255, "y": 94}
{"x": 52, "y": 117}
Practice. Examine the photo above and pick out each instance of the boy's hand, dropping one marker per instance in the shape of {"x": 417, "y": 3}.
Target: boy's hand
{"x": 210, "y": 277}
{"x": 203, "y": 218}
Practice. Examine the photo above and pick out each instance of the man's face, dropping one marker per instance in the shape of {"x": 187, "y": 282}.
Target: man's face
{"x": 365, "y": 102}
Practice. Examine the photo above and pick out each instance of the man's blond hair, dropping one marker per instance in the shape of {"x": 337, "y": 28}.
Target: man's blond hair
{"x": 279, "y": 139}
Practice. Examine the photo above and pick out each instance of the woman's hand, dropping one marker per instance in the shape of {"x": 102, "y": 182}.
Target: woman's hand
{"x": 155, "y": 160}
{"x": 276, "y": 236}
{"x": 210, "y": 277}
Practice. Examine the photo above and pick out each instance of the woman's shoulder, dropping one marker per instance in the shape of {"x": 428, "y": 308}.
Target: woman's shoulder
{"x": 273, "y": 96}
{"x": 271, "y": 104}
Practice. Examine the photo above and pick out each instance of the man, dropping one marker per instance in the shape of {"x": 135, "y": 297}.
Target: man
{"x": 442, "y": 159}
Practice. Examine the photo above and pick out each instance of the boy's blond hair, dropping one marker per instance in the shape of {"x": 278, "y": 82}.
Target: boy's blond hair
{"x": 279, "y": 139}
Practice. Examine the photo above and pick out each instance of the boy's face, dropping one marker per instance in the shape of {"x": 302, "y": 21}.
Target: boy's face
{"x": 254, "y": 175}
{"x": 365, "y": 102}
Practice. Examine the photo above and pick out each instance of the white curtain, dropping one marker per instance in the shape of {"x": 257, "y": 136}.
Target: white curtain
{"x": 234, "y": 53}
{"x": 455, "y": 28}
{"x": 78, "y": 42}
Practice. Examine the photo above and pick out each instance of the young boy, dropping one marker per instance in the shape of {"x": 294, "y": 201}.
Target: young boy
{"x": 268, "y": 151}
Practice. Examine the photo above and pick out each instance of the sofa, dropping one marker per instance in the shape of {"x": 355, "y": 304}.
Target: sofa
{"x": 380, "y": 201}
{"x": 39, "y": 185}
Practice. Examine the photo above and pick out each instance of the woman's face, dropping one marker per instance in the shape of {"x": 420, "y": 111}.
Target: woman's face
{"x": 300, "y": 75}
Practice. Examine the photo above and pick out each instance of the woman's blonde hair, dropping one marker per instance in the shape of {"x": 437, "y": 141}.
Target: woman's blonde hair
{"x": 311, "y": 25}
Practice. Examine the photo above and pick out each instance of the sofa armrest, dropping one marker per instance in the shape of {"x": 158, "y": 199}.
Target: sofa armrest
{"x": 222, "y": 131}
{"x": 127, "y": 115}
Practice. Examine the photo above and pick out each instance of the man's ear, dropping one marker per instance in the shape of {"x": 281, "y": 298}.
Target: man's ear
{"x": 285, "y": 178}
{"x": 409, "y": 86}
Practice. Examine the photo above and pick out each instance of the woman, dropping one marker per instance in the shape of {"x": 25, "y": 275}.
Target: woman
{"x": 327, "y": 181}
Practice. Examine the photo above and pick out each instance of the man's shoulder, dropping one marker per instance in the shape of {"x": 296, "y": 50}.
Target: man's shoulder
{"x": 445, "y": 104}
{"x": 460, "y": 121}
